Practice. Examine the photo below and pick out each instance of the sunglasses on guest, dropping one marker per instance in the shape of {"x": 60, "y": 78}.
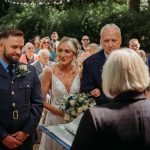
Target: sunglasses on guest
{"x": 45, "y": 42}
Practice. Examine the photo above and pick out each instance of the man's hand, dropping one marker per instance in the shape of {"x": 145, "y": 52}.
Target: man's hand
{"x": 11, "y": 142}
{"x": 20, "y": 136}
{"x": 96, "y": 92}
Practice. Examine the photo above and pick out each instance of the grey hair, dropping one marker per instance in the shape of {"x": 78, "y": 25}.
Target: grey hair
{"x": 26, "y": 45}
{"x": 43, "y": 52}
{"x": 132, "y": 40}
{"x": 111, "y": 25}
{"x": 124, "y": 71}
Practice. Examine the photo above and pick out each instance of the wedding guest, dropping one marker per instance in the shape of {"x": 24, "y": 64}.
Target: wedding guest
{"x": 124, "y": 122}
{"x": 85, "y": 41}
{"x": 91, "y": 49}
{"x": 21, "y": 101}
{"x": 135, "y": 45}
{"x": 45, "y": 43}
{"x": 36, "y": 42}
{"x": 54, "y": 41}
{"x": 110, "y": 39}
{"x": 29, "y": 57}
{"x": 43, "y": 61}
{"x": 61, "y": 79}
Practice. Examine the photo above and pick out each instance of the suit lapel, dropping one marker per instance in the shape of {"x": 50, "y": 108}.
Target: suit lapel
{"x": 40, "y": 69}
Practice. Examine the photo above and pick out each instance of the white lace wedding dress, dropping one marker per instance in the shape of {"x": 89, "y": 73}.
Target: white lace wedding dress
{"x": 58, "y": 90}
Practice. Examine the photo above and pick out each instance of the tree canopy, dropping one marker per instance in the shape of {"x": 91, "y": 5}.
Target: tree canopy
{"x": 77, "y": 18}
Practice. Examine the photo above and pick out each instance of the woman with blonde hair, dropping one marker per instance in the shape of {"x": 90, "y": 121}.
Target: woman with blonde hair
{"x": 91, "y": 49}
{"x": 61, "y": 79}
{"x": 46, "y": 43}
{"x": 124, "y": 122}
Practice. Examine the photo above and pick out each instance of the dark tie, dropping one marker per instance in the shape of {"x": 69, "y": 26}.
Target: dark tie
{"x": 55, "y": 47}
{"x": 10, "y": 70}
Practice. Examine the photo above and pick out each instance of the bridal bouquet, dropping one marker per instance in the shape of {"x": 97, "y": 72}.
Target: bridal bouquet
{"x": 74, "y": 104}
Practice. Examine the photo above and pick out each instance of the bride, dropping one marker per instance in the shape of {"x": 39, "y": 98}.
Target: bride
{"x": 60, "y": 79}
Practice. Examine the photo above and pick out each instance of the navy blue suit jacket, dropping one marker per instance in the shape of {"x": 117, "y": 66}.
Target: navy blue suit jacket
{"x": 21, "y": 98}
{"x": 91, "y": 77}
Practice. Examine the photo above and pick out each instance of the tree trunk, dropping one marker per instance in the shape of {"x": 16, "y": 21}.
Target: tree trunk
{"x": 134, "y": 5}
{"x": 148, "y": 4}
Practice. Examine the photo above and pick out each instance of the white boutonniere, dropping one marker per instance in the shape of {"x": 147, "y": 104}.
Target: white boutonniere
{"x": 22, "y": 70}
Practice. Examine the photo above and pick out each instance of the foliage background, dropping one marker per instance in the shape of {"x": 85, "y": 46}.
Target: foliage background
{"x": 77, "y": 19}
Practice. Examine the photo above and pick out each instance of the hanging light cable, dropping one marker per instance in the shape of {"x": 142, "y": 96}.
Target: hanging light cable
{"x": 39, "y": 2}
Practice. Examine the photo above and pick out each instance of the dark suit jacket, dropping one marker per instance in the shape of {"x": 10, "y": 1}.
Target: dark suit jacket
{"x": 121, "y": 124}
{"x": 91, "y": 77}
{"x": 38, "y": 67}
{"x": 20, "y": 96}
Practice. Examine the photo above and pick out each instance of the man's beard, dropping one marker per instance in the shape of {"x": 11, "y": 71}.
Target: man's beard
{"x": 10, "y": 59}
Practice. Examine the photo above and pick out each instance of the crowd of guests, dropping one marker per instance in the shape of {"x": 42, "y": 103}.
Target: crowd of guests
{"x": 117, "y": 78}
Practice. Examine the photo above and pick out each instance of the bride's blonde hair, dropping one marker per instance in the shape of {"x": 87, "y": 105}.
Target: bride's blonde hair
{"x": 74, "y": 46}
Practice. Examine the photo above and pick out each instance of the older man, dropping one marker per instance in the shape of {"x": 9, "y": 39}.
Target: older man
{"x": 43, "y": 61}
{"x": 135, "y": 45}
{"x": 110, "y": 39}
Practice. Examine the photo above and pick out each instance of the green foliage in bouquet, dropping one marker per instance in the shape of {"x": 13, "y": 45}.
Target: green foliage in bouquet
{"x": 74, "y": 104}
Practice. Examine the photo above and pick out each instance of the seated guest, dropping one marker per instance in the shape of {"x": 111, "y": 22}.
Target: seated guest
{"x": 43, "y": 61}
{"x": 85, "y": 41}
{"x": 91, "y": 49}
{"x": 29, "y": 56}
{"x": 45, "y": 43}
{"x": 135, "y": 45}
{"x": 40, "y": 65}
{"x": 36, "y": 42}
{"x": 124, "y": 122}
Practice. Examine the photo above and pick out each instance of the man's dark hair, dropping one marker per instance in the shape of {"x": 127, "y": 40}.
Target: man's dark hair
{"x": 10, "y": 32}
